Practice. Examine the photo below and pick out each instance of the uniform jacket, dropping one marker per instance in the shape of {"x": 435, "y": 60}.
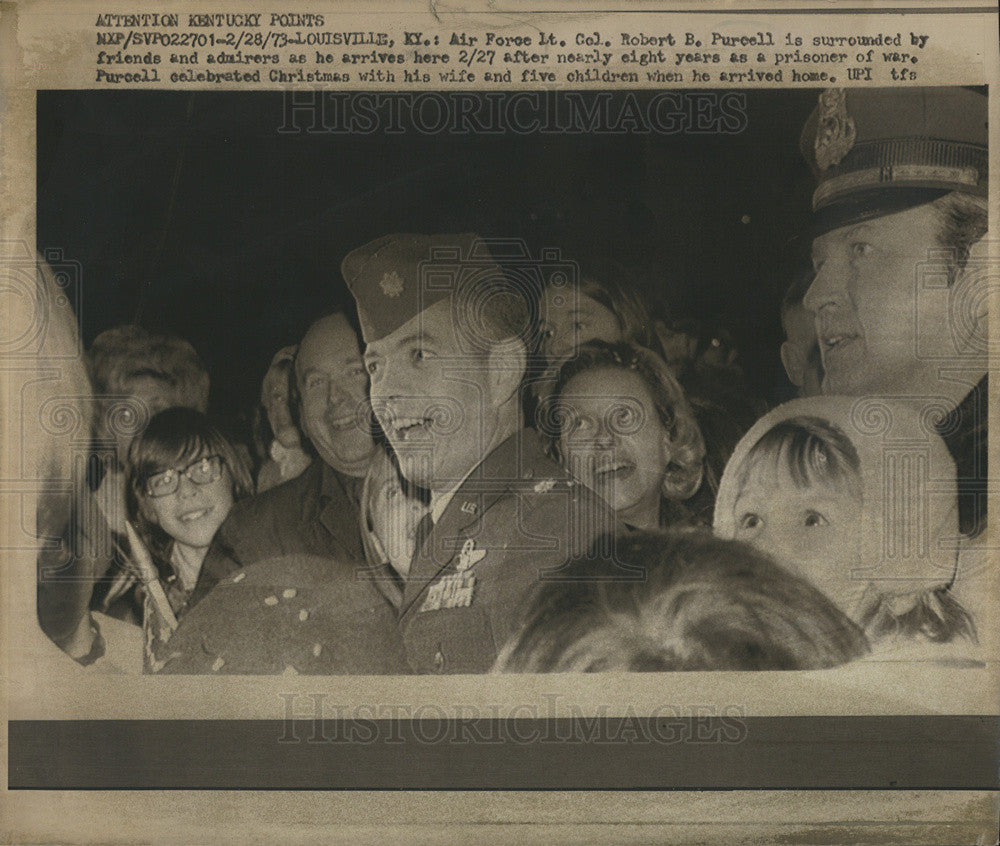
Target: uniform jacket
{"x": 513, "y": 522}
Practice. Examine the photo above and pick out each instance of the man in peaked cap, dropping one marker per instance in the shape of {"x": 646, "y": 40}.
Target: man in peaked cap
{"x": 445, "y": 333}
{"x": 901, "y": 291}
{"x": 900, "y": 252}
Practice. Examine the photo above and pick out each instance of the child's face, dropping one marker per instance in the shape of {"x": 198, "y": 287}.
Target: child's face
{"x": 192, "y": 514}
{"x": 572, "y": 319}
{"x": 612, "y": 439}
{"x": 812, "y": 531}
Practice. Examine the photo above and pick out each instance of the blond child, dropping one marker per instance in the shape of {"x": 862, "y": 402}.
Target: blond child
{"x": 859, "y": 497}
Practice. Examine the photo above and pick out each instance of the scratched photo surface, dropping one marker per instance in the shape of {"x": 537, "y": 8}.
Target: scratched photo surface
{"x": 419, "y": 420}
{"x": 393, "y": 383}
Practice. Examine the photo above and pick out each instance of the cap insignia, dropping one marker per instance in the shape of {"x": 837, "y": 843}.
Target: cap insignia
{"x": 835, "y": 130}
{"x": 391, "y": 284}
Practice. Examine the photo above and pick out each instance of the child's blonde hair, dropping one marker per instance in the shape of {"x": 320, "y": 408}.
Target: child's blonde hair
{"x": 935, "y": 616}
{"x": 812, "y": 451}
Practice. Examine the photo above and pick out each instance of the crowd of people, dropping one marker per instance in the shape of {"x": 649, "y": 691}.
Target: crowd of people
{"x": 466, "y": 474}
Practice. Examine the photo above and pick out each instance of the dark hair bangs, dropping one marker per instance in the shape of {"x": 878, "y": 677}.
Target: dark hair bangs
{"x": 154, "y": 455}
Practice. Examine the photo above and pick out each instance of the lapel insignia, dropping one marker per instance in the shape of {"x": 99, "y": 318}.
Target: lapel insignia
{"x": 455, "y": 590}
{"x": 469, "y": 507}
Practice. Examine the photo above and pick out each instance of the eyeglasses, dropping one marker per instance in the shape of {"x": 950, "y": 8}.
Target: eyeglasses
{"x": 202, "y": 472}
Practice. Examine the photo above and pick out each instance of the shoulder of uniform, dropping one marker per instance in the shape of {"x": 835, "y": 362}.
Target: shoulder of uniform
{"x": 550, "y": 493}
{"x": 546, "y": 484}
{"x": 541, "y": 473}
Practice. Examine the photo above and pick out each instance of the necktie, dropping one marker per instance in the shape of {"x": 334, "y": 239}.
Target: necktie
{"x": 423, "y": 530}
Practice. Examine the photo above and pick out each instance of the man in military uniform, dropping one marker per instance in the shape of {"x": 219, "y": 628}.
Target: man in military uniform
{"x": 446, "y": 353}
{"x": 900, "y": 252}
{"x": 900, "y": 237}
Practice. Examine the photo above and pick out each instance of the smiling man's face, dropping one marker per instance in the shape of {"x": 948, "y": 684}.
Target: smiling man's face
{"x": 433, "y": 399}
{"x": 868, "y": 304}
{"x": 333, "y": 386}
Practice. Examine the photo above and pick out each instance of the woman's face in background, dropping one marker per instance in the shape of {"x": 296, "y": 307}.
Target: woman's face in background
{"x": 612, "y": 439}
{"x": 570, "y": 319}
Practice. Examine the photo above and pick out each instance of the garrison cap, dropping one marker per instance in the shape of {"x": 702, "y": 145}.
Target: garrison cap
{"x": 878, "y": 151}
{"x": 395, "y": 278}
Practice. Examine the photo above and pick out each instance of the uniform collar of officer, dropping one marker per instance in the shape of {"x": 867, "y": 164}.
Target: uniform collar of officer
{"x": 519, "y": 449}
{"x": 439, "y": 502}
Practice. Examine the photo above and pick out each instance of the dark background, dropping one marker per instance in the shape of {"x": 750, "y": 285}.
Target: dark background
{"x": 192, "y": 213}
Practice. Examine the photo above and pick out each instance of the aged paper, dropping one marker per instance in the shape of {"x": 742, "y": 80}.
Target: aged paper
{"x": 120, "y": 119}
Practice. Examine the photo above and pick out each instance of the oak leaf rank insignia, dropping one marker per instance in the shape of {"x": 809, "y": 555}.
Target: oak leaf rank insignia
{"x": 391, "y": 284}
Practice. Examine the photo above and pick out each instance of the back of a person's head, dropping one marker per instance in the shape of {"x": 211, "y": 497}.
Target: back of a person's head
{"x": 705, "y": 604}
{"x": 127, "y": 352}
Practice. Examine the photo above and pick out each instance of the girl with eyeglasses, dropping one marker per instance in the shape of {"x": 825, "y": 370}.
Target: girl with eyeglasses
{"x": 183, "y": 478}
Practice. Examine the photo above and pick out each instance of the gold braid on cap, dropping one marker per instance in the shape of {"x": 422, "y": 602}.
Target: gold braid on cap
{"x": 835, "y": 130}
